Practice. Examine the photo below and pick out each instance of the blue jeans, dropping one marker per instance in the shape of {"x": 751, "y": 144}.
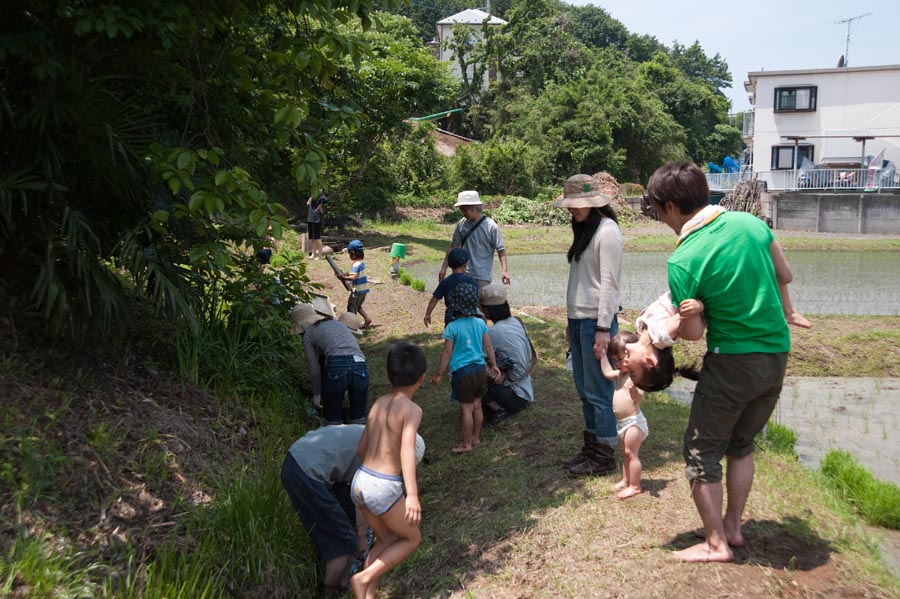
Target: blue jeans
{"x": 593, "y": 388}
{"x": 344, "y": 375}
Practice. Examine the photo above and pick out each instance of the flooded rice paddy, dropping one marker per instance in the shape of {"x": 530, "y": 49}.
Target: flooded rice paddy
{"x": 849, "y": 283}
{"x": 860, "y": 415}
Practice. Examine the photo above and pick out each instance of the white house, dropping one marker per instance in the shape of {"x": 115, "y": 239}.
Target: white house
{"x": 835, "y": 118}
{"x": 472, "y": 19}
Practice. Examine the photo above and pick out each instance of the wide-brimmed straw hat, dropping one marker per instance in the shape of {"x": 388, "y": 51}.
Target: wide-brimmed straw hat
{"x": 582, "y": 191}
{"x": 304, "y": 316}
{"x": 352, "y": 321}
{"x": 468, "y": 198}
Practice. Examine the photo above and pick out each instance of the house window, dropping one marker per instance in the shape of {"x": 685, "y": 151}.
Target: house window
{"x": 795, "y": 99}
{"x": 783, "y": 156}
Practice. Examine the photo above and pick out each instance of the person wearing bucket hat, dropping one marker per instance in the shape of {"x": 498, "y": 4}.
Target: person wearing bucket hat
{"x": 480, "y": 236}
{"x": 344, "y": 373}
{"x": 592, "y": 302}
{"x": 512, "y": 391}
{"x": 466, "y": 343}
{"x": 316, "y": 474}
{"x": 458, "y": 260}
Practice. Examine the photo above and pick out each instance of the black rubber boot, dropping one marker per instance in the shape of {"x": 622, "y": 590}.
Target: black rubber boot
{"x": 582, "y": 454}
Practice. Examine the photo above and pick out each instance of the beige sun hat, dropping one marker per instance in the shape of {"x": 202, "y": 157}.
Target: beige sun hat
{"x": 582, "y": 191}
{"x": 467, "y": 198}
{"x": 352, "y": 321}
{"x": 304, "y": 316}
{"x": 420, "y": 448}
{"x": 492, "y": 295}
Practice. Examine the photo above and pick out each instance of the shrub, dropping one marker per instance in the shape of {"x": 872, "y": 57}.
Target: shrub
{"x": 418, "y": 284}
{"x": 519, "y": 210}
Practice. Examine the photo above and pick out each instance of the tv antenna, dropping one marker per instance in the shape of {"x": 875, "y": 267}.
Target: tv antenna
{"x": 849, "y": 23}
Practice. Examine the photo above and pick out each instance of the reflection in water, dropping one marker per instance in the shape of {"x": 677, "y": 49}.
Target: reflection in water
{"x": 859, "y": 415}
{"x": 853, "y": 283}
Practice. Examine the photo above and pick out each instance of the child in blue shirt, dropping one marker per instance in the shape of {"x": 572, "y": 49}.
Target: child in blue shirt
{"x": 466, "y": 343}
{"x": 359, "y": 280}
{"x": 458, "y": 261}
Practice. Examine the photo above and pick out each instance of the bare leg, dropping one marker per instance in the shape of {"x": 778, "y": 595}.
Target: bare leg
{"x": 738, "y": 481}
{"x": 624, "y": 482}
{"x": 366, "y": 320}
{"x": 477, "y": 422}
{"x": 467, "y": 422}
{"x": 630, "y": 447}
{"x": 407, "y": 539}
{"x": 708, "y": 499}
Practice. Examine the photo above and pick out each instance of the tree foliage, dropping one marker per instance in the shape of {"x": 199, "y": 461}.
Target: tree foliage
{"x": 168, "y": 137}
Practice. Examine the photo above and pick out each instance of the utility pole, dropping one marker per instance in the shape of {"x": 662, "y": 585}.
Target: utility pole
{"x": 849, "y": 22}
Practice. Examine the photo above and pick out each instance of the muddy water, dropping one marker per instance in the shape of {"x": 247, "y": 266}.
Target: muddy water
{"x": 852, "y": 283}
{"x": 859, "y": 415}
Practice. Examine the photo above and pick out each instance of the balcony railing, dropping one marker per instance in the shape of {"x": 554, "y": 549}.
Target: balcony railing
{"x": 823, "y": 179}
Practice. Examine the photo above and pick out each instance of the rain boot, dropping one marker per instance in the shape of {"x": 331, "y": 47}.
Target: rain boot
{"x": 601, "y": 459}
{"x": 604, "y": 456}
{"x": 581, "y": 456}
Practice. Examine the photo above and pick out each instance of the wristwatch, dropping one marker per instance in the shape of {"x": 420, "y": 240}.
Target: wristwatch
{"x": 602, "y": 329}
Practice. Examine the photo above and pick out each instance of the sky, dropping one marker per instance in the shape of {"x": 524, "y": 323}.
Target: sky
{"x": 768, "y": 35}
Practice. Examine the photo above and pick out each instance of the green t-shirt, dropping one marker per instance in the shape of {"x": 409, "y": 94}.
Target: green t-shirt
{"x": 727, "y": 265}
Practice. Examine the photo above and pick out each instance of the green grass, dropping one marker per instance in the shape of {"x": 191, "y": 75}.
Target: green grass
{"x": 37, "y": 566}
{"x": 876, "y": 501}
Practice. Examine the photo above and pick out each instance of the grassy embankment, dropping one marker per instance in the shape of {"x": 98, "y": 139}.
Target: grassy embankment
{"x": 128, "y": 484}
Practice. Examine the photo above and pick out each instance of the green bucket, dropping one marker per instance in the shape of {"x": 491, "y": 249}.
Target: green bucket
{"x": 398, "y": 250}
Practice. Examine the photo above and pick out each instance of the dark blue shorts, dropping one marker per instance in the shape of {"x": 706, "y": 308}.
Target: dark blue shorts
{"x": 327, "y": 513}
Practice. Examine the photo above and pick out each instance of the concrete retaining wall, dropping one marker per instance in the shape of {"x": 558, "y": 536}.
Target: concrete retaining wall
{"x": 877, "y": 213}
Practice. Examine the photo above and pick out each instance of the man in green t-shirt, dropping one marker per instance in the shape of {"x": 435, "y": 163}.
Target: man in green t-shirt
{"x": 731, "y": 262}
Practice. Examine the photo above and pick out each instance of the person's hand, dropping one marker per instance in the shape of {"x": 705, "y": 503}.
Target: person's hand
{"x": 441, "y": 274}
{"x": 413, "y": 510}
{"x": 505, "y": 277}
{"x": 690, "y": 307}
{"x": 427, "y": 319}
{"x": 436, "y": 379}
{"x": 495, "y": 373}
{"x": 601, "y": 342}
{"x": 498, "y": 380}
{"x": 798, "y": 320}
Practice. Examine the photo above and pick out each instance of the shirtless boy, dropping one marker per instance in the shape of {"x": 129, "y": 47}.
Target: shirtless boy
{"x": 388, "y": 449}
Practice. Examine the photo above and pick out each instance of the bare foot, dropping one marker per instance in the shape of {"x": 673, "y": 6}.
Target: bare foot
{"x": 629, "y": 492}
{"x": 798, "y": 320}
{"x": 358, "y": 587}
{"x": 476, "y": 442}
{"x": 619, "y": 485}
{"x": 735, "y": 539}
{"x": 462, "y": 449}
{"x": 367, "y": 324}
{"x": 701, "y": 552}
